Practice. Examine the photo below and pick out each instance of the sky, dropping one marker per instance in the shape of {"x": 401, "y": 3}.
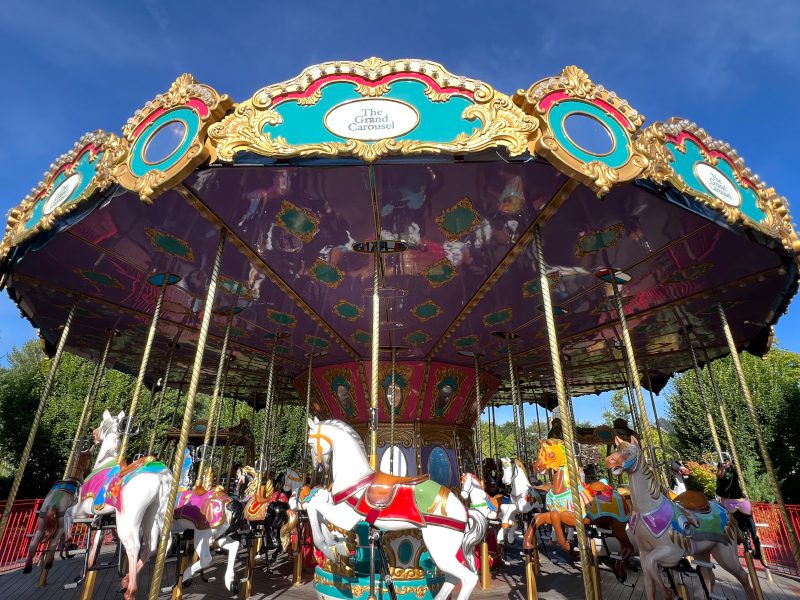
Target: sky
{"x": 68, "y": 68}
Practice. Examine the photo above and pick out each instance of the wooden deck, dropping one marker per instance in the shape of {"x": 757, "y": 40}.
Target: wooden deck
{"x": 559, "y": 580}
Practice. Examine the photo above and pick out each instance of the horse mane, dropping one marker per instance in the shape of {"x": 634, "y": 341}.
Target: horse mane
{"x": 522, "y": 468}
{"x": 348, "y": 430}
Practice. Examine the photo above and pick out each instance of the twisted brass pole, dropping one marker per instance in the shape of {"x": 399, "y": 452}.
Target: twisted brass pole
{"x": 267, "y": 410}
{"x": 376, "y": 333}
{"x": 191, "y": 395}
{"x": 723, "y": 413}
{"x": 792, "y": 534}
{"x": 173, "y": 345}
{"x": 391, "y": 412}
{"x": 655, "y": 416}
{"x": 37, "y": 418}
{"x": 308, "y": 408}
{"x": 701, "y": 389}
{"x": 88, "y": 405}
{"x": 523, "y": 431}
{"x": 631, "y": 362}
{"x": 568, "y": 434}
{"x": 479, "y": 437}
{"x": 212, "y": 409}
{"x": 148, "y": 346}
{"x": 514, "y": 395}
{"x": 218, "y": 420}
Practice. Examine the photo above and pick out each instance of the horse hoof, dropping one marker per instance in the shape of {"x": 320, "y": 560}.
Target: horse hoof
{"x": 187, "y": 583}
{"x": 234, "y": 587}
{"x": 48, "y": 566}
{"x": 27, "y": 569}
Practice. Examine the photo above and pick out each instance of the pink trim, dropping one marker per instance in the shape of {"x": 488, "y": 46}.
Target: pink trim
{"x": 548, "y": 101}
{"x": 361, "y": 81}
{"x": 87, "y": 148}
{"x": 683, "y": 135}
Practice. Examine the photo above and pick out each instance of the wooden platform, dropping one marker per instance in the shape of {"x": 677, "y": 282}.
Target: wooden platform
{"x": 560, "y": 579}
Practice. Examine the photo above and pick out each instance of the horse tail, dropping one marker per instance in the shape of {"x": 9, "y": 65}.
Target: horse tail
{"x": 50, "y": 518}
{"x": 288, "y": 527}
{"x": 163, "y": 500}
{"x": 477, "y": 525}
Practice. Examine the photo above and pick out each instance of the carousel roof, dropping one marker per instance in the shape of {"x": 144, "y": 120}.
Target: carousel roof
{"x": 403, "y": 150}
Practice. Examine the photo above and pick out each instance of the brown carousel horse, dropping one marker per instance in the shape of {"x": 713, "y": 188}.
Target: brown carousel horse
{"x": 604, "y": 507}
{"x": 50, "y": 527}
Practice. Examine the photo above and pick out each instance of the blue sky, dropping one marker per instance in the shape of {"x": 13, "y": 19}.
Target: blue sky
{"x": 68, "y": 68}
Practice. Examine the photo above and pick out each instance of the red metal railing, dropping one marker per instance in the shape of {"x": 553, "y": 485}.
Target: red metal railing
{"x": 774, "y": 540}
{"x": 21, "y": 524}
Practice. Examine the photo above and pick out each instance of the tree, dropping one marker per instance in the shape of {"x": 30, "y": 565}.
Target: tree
{"x": 618, "y": 409}
{"x": 773, "y": 383}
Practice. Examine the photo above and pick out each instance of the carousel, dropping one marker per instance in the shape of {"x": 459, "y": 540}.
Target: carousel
{"x": 397, "y": 250}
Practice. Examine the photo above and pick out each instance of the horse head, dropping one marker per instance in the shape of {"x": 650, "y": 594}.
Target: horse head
{"x": 552, "y": 455}
{"x": 109, "y": 435}
{"x": 626, "y": 458}
{"x": 468, "y": 483}
{"x": 321, "y": 444}
{"x": 509, "y": 470}
{"x": 83, "y": 465}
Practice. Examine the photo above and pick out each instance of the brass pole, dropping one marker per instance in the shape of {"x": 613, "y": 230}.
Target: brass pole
{"x": 376, "y": 332}
{"x": 391, "y": 412}
{"x": 267, "y": 409}
{"x": 479, "y": 446}
{"x": 655, "y": 416}
{"x": 223, "y": 388}
{"x": 212, "y": 409}
{"x": 88, "y": 405}
{"x": 523, "y": 431}
{"x": 277, "y": 410}
{"x": 701, "y": 389}
{"x": 172, "y": 347}
{"x": 37, "y": 418}
{"x": 308, "y": 407}
{"x": 148, "y": 346}
{"x": 725, "y": 424}
{"x": 538, "y": 423}
{"x": 194, "y": 383}
{"x": 631, "y": 362}
{"x": 568, "y": 434}
{"x": 514, "y": 394}
{"x": 792, "y": 534}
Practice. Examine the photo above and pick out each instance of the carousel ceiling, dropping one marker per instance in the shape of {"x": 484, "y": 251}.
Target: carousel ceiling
{"x": 403, "y": 150}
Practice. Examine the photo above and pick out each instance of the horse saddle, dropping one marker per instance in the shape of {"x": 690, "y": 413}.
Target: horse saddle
{"x": 126, "y": 469}
{"x": 604, "y": 491}
{"x": 384, "y": 486}
{"x": 691, "y": 502}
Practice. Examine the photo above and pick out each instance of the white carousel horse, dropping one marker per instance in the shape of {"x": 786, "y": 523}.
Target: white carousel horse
{"x": 138, "y": 493}
{"x": 215, "y": 518}
{"x": 679, "y": 472}
{"x": 50, "y": 526}
{"x": 479, "y": 500}
{"x": 514, "y": 475}
{"x": 391, "y": 504}
{"x": 666, "y": 531}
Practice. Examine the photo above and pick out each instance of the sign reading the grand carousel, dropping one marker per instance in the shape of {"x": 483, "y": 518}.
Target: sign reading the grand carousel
{"x": 718, "y": 184}
{"x": 370, "y": 119}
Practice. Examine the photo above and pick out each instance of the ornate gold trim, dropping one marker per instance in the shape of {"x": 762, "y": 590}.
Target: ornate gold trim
{"x": 107, "y": 146}
{"x": 503, "y": 123}
{"x": 652, "y": 141}
{"x": 574, "y": 83}
{"x": 181, "y": 93}
{"x": 465, "y": 203}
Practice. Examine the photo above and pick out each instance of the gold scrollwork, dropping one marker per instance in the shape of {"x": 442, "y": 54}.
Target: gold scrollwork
{"x": 181, "y": 92}
{"x": 576, "y": 84}
{"x": 502, "y": 123}
{"x": 103, "y": 149}
{"x": 652, "y": 141}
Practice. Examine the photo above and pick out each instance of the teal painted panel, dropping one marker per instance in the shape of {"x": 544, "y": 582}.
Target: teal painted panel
{"x": 440, "y": 122}
{"x": 84, "y": 169}
{"x": 684, "y": 165}
{"x": 191, "y": 122}
{"x": 557, "y": 117}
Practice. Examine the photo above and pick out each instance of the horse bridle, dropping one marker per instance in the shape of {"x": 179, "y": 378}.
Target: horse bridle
{"x": 318, "y": 437}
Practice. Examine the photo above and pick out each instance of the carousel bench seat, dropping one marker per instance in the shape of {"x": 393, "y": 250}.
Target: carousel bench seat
{"x": 382, "y": 489}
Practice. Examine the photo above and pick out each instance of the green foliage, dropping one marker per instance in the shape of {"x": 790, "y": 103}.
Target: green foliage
{"x": 618, "y": 409}
{"x": 21, "y": 384}
{"x": 702, "y": 477}
{"x": 773, "y": 383}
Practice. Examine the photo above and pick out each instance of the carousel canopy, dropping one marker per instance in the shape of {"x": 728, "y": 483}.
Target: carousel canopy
{"x": 301, "y": 173}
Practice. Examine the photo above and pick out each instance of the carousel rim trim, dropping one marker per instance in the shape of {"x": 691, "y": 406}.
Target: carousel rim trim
{"x": 517, "y": 123}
